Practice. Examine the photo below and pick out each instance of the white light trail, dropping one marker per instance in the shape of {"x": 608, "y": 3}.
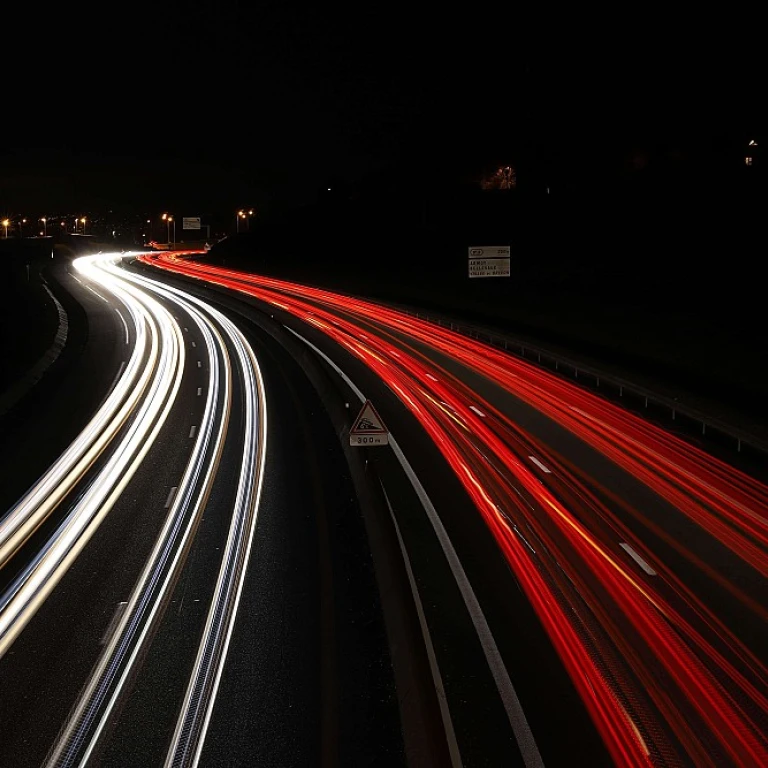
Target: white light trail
{"x": 87, "y": 720}
{"x": 137, "y": 407}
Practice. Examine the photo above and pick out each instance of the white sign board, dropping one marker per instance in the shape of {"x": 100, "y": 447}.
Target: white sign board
{"x": 368, "y": 428}
{"x": 191, "y": 222}
{"x": 489, "y": 261}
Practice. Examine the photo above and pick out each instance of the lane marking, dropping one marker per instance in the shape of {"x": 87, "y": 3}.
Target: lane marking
{"x": 125, "y": 325}
{"x": 117, "y": 375}
{"x": 514, "y": 709}
{"x": 193, "y": 344}
{"x": 450, "y": 733}
{"x": 199, "y": 391}
{"x": 639, "y": 560}
{"x": 170, "y": 496}
{"x": 517, "y": 531}
{"x": 192, "y": 430}
{"x": 540, "y": 465}
{"x": 106, "y": 301}
{"x": 195, "y": 715}
{"x": 113, "y": 623}
{"x": 199, "y": 364}
{"x": 476, "y": 410}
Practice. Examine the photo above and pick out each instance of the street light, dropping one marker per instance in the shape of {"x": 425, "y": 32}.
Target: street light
{"x": 242, "y": 214}
{"x": 167, "y": 218}
{"x": 6, "y": 224}
{"x": 83, "y": 220}
{"x": 45, "y": 226}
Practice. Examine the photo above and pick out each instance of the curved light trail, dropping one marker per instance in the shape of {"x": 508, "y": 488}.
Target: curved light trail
{"x": 80, "y": 735}
{"x": 140, "y": 405}
{"x": 664, "y": 680}
{"x": 195, "y": 715}
{"x": 44, "y": 496}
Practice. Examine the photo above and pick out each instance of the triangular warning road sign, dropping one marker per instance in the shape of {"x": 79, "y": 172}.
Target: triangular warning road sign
{"x": 368, "y": 429}
{"x": 368, "y": 422}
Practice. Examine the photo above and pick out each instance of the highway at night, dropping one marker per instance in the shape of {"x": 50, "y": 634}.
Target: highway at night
{"x": 207, "y": 572}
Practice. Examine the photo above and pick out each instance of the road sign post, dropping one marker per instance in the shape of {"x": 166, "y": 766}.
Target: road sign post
{"x": 368, "y": 429}
{"x": 489, "y": 261}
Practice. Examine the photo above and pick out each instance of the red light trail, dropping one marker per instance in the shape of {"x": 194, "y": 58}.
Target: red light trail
{"x": 664, "y": 680}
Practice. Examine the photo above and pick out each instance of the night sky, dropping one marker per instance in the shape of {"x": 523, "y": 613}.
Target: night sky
{"x": 215, "y": 105}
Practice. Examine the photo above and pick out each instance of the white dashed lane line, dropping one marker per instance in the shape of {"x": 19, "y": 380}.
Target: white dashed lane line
{"x": 540, "y": 465}
{"x": 639, "y": 560}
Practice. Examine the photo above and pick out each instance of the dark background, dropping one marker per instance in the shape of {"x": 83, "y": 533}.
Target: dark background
{"x": 637, "y": 229}
{"x": 213, "y": 106}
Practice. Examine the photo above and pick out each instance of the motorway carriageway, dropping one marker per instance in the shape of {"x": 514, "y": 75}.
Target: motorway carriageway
{"x": 72, "y": 499}
{"x": 644, "y": 558}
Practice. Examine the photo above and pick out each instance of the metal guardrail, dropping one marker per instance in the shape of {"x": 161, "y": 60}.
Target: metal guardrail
{"x": 710, "y": 427}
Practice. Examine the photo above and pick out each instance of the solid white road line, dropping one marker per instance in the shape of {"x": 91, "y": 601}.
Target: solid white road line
{"x": 515, "y": 713}
{"x": 437, "y": 679}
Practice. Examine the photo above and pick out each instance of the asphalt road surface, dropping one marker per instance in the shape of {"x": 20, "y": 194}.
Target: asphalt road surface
{"x": 173, "y": 609}
{"x": 213, "y": 573}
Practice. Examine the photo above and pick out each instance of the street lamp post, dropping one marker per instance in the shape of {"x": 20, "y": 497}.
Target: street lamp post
{"x": 21, "y": 228}
{"x": 83, "y": 220}
{"x": 167, "y": 218}
{"x": 45, "y": 226}
{"x": 6, "y": 224}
